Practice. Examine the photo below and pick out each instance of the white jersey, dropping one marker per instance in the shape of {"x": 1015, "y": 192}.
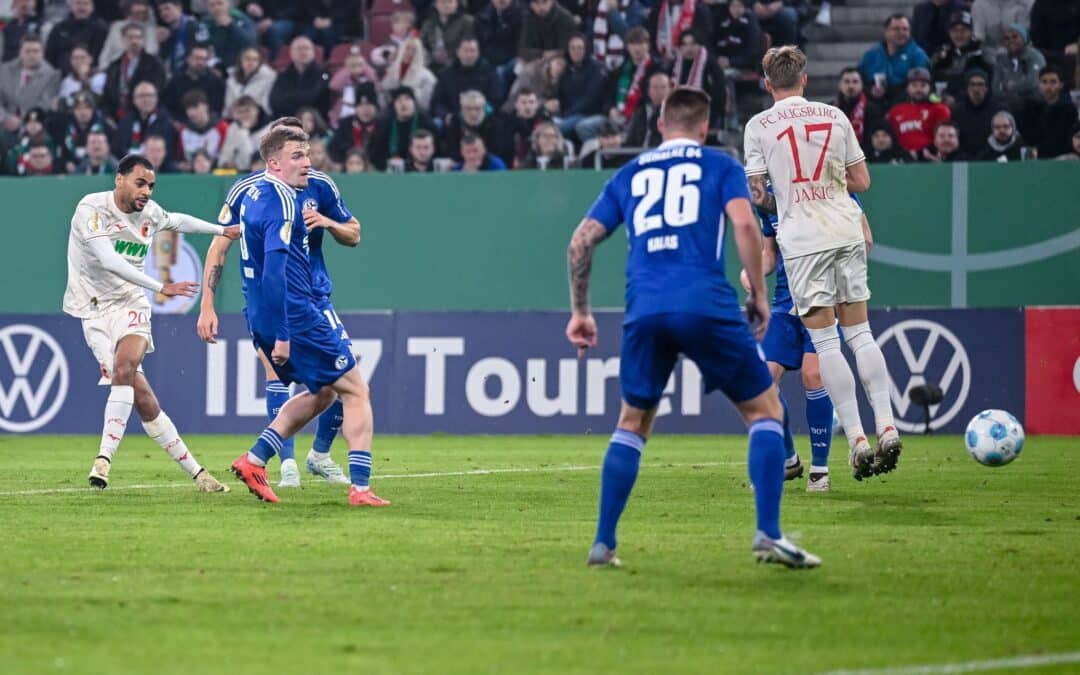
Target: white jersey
{"x": 91, "y": 290}
{"x": 805, "y": 148}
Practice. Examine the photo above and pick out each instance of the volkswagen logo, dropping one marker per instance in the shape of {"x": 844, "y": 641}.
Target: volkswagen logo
{"x": 34, "y": 384}
{"x": 928, "y": 351}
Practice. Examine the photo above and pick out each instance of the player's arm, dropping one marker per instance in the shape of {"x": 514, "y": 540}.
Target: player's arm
{"x": 760, "y": 194}
{"x": 858, "y": 177}
{"x": 868, "y": 236}
{"x": 748, "y": 241}
{"x": 579, "y": 256}
{"x": 182, "y": 222}
{"x": 102, "y": 249}
{"x": 207, "y": 325}
{"x": 274, "y": 286}
{"x": 346, "y": 233}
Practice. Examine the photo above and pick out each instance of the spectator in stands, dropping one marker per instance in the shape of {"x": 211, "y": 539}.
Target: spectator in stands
{"x": 198, "y": 76}
{"x": 127, "y": 71}
{"x": 498, "y": 28}
{"x": 30, "y": 135}
{"x": 250, "y": 77}
{"x": 852, "y": 99}
{"x": 580, "y": 92}
{"x": 914, "y": 121}
{"x": 961, "y": 54}
{"x": 393, "y": 132}
{"x": 608, "y": 138}
{"x": 1046, "y": 122}
{"x": 421, "y": 152}
{"x": 402, "y": 27}
{"x": 930, "y": 23}
{"x": 174, "y": 34}
{"x": 882, "y": 147}
{"x": 695, "y": 68}
{"x": 545, "y": 30}
{"x": 356, "y": 130}
{"x": 38, "y": 160}
{"x": 1016, "y": 70}
{"x": 642, "y": 132}
{"x": 548, "y": 149}
{"x": 313, "y": 122}
{"x": 202, "y": 131}
{"x": 24, "y": 21}
{"x": 542, "y": 77}
{"x": 145, "y": 119}
{"x": 356, "y": 162}
{"x": 70, "y": 131}
{"x": 81, "y": 78}
{"x": 26, "y": 82}
{"x": 275, "y": 21}
{"x": 990, "y": 18}
{"x": 156, "y": 150}
{"x": 475, "y": 157}
{"x": 98, "y": 160}
{"x": 973, "y": 111}
{"x": 778, "y": 20}
{"x": 738, "y": 37}
{"x": 946, "y": 145}
{"x": 303, "y": 83}
{"x": 320, "y": 159}
{"x": 468, "y": 72}
{"x": 527, "y": 115}
{"x": 135, "y": 12}
{"x": 227, "y": 33}
{"x": 1073, "y": 154}
{"x": 243, "y": 134}
{"x": 201, "y": 163}
{"x": 669, "y": 19}
{"x": 885, "y": 67}
{"x": 473, "y": 119}
{"x": 627, "y": 84}
{"x": 343, "y": 84}
{"x": 328, "y": 20}
{"x": 444, "y": 30}
{"x": 606, "y": 30}
{"x": 1055, "y": 29}
{"x": 1004, "y": 142}
{"x": 80, "y": 28}
{"x": 408, "y": 70}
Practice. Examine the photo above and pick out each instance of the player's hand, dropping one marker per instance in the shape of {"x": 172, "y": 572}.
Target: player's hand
{"x": 314, "y": 219}
{"x": 232, "y": 232}
{"x": 581, "y": 331}
{"x": 744, "y": 279}
{"x": 186, "y": 289}
{"x": 281, "y": 352}
{"x": 757, "y": 313}
{"x": 207, "y": 326}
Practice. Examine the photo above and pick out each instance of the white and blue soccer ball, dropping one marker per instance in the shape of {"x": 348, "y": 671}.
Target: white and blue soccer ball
{"x": 994, "y": 437}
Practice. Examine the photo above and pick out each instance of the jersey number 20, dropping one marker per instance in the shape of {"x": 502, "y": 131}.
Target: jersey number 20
{"x": 682, "y": 198}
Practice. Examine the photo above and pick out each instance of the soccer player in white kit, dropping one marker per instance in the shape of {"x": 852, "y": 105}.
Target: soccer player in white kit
{"x": 812, "y": 156}
{"x": 111, "y": 233}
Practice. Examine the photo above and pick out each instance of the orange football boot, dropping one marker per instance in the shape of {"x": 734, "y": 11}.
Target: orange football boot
{"x": 255, "y": 479}
{"x": 358, "y": 497}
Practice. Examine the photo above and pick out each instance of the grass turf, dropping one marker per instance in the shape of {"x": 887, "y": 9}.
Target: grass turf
{"x": 943, "y": 561}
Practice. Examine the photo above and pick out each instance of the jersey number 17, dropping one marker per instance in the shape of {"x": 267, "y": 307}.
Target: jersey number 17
{"x": 789, "y": 133}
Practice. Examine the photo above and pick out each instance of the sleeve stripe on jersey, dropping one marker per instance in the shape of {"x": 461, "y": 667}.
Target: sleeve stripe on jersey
{"x": 862, "y": 158}
{"x": 288, "y": 206}
{"x": 319, "y": 175}
{"x": 757, "y": 172}
{"x": 241, "y": 186}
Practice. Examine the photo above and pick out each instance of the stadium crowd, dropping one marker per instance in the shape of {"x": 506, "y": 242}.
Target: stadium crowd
{"x": 502, "y": 84}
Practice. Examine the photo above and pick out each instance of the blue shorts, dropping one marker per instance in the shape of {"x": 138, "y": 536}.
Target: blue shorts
{"x": 318, "y": 356}
{"x": 723, "y": 349}
{"x": 786, "y": 340}
{"x": 323, "y": 304}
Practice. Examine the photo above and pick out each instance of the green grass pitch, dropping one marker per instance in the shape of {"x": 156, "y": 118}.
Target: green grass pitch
{"x": 944, "y": 561}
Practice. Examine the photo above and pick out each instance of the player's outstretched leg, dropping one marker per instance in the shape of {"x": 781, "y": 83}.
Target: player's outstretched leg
{"x": 319, "y": 461}
{"x": 617, "y": 478}
{"x": 117, "y": 411}
{"x": 277, "y": 393}
{"x": 793, "y": 467}
{"x": 358, "y": 428}
{"x": 875, "y": 378}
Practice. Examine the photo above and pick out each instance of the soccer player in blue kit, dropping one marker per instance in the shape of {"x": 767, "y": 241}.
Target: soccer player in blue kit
{"x": 675, "y": 200}
{"x": 287, "y": 324}
{"x": 323, "y": 210}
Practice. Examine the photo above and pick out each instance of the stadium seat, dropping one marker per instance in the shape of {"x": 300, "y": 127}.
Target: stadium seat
{"x": 389, "y": 6}
{"x": 340, "y": 52}
{"x": 378, "y": 28}
{"x": 283, "y": 61}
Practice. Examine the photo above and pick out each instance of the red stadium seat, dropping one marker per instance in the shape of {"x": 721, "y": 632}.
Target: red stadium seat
{"x": 378, "y": 29}
{"x": 389, "y": 6}
{"x": 337, "y": 56}
{"x": 283, "y": 61}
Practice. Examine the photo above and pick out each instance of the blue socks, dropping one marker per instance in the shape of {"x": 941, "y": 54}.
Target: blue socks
{"x": 789, "y": 440}
{"x": 276, "y": 395}
{"x": 819, "y": 417}
{"x": 767, "y": 473}
{"x": 268, "y": 445}
{"x": 617, "y": 480}
{"x": 359, "y": 467}
{"x": 329, "y": 426}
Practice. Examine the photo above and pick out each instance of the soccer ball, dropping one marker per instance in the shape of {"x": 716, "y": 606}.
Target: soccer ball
{"x": 994, "y": 437}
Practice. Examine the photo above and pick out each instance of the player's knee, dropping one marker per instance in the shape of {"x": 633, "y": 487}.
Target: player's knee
{"x": 123, "y": 373}
{"x": 636, "y": 420}
{"x": 764, "y": 406}
{"x": 858, "y": 336}
{"x": 811, "y": 377}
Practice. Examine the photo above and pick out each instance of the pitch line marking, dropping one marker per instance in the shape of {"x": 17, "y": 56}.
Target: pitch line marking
{"x": 1028, "y": 661}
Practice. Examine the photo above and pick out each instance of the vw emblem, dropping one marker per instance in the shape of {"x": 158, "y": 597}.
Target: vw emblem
{"x": 35, "y": 384}
{"x": 931, "y": 351}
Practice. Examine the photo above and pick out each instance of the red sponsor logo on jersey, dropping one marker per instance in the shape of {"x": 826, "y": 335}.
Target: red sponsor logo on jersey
{"x": 146, "y": 229}
{"x": 1052, "y": 370}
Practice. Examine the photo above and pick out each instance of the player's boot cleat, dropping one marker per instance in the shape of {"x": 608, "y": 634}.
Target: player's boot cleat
{"x": 861, "y": 459}
{"x": 358, "y": 497}
{"x": 887, "y": 455}
{"x": 783, "y": 552}
{"x": 205, "y": 482}
{"x": 99, "y": 472}
{"x": 819, "y": 482}
{"x": 255, "y": 479}
{"x": 794, "y": 471}
{"x": 602, "y": 556}
{"x": 290, "y": 474}
{"x": 328, "y": 469}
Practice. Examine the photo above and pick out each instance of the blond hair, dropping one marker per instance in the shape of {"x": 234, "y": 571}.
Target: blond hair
{"x": 784, "y": 66}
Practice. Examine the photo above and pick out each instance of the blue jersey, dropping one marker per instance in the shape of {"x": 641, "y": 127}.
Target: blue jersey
{"x": 322, "y": 195}
{"x": 278, "y": 293}
{"x": 672, "y": 199}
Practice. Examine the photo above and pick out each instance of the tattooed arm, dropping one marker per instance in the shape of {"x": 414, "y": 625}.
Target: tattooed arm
{"x": 207, "y": 325}
{"x": 760, "y": 194}
{"x": 581, "y": 330}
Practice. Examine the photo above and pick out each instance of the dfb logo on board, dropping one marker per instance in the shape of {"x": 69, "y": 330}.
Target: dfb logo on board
{"x": 929, "y": 352}
{"x": 34, "y": 383}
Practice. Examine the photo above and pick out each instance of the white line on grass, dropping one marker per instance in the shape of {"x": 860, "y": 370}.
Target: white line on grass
{"x": 1029, "y": 661}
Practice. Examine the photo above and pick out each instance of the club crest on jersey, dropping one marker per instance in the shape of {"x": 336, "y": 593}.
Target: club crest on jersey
{"x": 341, "y": 362}
{"x": 286, "y": 232}
{"x": 145, "y": 228}
{"x": 310, "y": 204}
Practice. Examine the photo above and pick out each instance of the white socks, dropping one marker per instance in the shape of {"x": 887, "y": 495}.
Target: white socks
{"x": 872, "y": 371}
{"x": 163, "y": 431}
{"x": 839, "y": 381}
{"x": 117, "y": 411}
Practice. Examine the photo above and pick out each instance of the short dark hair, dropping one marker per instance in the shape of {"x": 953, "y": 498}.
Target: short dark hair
{"x": 156, "y": 137}
{"x": 1051, "y": 70}
{"x": 193, "y": 98}
{"x": 470, "y": 139}
{"x": 850, "y": 69}
{"x": 893, "y": 17}
{"x": 524, "y": 91}
{"x": 208, "y": 47}
{"x": 947, "y": 123}
{"x": 685, "y": 108}
{"x": 39, "y": 143}
{"x": 637, "y": 35}
{"x": 32, "y": 37}
{"x": 276, "y": 138}
{"x": 131, "y": 25}
{"x": 129, "y": 162}
{"x": 421, "y": 134}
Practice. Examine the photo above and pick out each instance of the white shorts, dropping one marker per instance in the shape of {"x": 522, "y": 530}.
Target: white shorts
{"x": 104, "y": 332}
{"x": 828, "y": 278}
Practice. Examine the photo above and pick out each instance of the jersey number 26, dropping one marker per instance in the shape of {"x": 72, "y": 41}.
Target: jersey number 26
{"x": 676, "y": 186}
